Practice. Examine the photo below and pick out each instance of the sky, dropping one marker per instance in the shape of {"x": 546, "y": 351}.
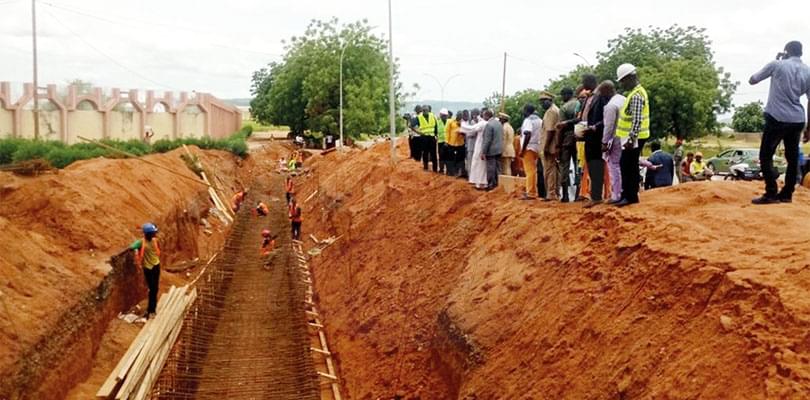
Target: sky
{"x": 214, "y": 46}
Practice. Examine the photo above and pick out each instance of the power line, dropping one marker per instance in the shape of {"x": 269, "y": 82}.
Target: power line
{"x": 112, "y": 59}
{"x": 8, "y": 2}
{"x": 140, "y": 24}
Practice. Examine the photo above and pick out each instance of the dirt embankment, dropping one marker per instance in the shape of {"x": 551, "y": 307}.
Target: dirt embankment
{"x": 59, "y": 231}
{"x": 438, "y": 291}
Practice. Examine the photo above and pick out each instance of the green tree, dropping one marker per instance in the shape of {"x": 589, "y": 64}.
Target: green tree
{"x": 302, "y": 91}
{"x": 676, "y": 65}
{"x": 749, "y": 118}
{"x": 514, "y": 104}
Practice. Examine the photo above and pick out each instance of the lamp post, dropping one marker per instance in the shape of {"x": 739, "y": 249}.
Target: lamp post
{"x": 342, "y": 51}
{"x": 391, "y": 88}
{"x": 584, "y": 59}
{"x": 442, "y": 86}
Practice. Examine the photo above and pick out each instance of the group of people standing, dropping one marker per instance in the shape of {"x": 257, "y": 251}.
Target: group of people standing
{"x": 595, "y": 128}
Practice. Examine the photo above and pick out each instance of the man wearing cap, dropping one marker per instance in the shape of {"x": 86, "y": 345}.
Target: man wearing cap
{"x": 428, "y": 129}
{"x": 633, "y": 129}
{"x": 549, "y": 145}
{"x": 440, "y": 138}
{"x": 508, "y": 155}
{"x": 784, "y": 119}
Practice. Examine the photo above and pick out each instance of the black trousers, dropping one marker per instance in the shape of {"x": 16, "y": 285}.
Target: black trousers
{"x": 493, "y": 170}
{"x": 428, "y": 146}
{"x": 152, "y": 277}
{"x": 415, "y": 142}
{"x": 443, "y": 156}
{"x": 774, "y": 133}
{"x": 296, "y": 230}
{"x": 567, "y": 155}
{"x": 631, "y": 178}
{"x": 541, "y": 180}
{"x": 596, "y": 171}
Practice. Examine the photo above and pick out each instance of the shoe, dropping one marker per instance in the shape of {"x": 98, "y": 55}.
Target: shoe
{"x": 765, "y": 199}
{"x": 622, "y": 203}
{"x": 786, "y": 200}
{"x": 592, "y": 203}
{"x": 526, "y": 197}
{"x": 612, "y": 202}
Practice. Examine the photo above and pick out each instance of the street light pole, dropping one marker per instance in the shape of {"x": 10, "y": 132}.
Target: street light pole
{"x": 36, "y": 79}
{"x": 442, "y": 86}
{"x": 391, "y": 88}
{"x": 584, "y": 59}
{"x": 342, "y": 51}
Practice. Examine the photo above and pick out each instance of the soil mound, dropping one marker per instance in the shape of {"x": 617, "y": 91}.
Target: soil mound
{"x": 435, "y": 290}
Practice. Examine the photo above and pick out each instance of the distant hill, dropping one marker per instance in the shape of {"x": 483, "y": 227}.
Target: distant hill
{"x": 238, "y": 102}
{"x": 437, "y": 105}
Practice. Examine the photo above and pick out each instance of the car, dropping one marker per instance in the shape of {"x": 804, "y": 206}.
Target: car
{"x": 721, "y": 163}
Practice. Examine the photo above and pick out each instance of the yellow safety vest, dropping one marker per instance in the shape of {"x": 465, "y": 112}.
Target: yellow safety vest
{"x": 427, "y": 126}
{"x": 625, "y": 123}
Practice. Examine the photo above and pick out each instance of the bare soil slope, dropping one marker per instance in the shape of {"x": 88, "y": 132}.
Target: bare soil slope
{"x": 438, "y": 291}
{"x": 58, "y": 231}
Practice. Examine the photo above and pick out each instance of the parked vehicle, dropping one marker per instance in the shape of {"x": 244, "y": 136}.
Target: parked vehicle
{"x": 721, "y": 163}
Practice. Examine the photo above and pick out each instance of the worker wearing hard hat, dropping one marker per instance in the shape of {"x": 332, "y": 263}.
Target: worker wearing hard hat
{"x": 633, "y": 129}
{"x": 148, "y": 258}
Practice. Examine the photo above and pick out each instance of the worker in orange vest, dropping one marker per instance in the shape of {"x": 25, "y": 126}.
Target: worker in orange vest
{"x": 268, "y": 243}
{"x": 261, "y": 209}
{"x": 237, "y": 199}
{"x": 295, "y": 219}
{"x": 289, "y": 188}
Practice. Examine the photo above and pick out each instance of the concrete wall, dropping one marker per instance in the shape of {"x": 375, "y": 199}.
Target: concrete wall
{"x": 115, "y": 115}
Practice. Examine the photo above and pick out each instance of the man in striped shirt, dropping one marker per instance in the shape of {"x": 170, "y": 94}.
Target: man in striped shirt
{"x": 633, "y": 129}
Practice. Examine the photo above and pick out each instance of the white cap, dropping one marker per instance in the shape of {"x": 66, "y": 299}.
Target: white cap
{"x": 624, "y": 70}
{"x": 444, "y": 111}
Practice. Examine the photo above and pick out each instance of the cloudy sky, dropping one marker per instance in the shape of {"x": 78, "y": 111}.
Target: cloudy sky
{"x": 214, "y": 46}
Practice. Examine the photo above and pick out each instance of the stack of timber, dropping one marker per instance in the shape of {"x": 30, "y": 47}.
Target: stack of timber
{"x": 140, "y": 367}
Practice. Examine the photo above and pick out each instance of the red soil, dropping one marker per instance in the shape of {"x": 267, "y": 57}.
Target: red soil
{"x": 438, "y": 291}
{"x": 58, "y": 231}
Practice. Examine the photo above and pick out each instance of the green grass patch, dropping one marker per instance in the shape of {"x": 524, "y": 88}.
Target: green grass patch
{"x": 59, "y": 155}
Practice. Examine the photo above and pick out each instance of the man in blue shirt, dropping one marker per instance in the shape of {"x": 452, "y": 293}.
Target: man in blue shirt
{"x": 784, "y": 119}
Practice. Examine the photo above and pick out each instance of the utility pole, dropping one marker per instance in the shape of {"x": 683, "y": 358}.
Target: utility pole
{"x": 342, "y": 51}
{"x": 391, "y": 88}
{"x": 503, "y": 86}
{"x": 36, "y": 80}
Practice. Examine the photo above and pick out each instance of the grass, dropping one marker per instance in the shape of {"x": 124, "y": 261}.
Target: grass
{"x": 60, "y": 155}
{"x": 257, "y": 127}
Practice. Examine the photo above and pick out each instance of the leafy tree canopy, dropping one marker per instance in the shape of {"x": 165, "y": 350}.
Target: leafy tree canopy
{"x": 749, "y": 118}
{"x": 302, "y": 90}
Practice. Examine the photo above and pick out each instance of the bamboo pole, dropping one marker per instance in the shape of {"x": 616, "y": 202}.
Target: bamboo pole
{"x": 130, "y": 155}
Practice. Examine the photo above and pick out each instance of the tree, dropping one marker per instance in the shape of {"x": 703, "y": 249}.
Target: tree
{"x": 302, "y": 91}
{"x": 676, "y": 66}
{"x": 749, "y": 118}
{"x": 514, "y": 104}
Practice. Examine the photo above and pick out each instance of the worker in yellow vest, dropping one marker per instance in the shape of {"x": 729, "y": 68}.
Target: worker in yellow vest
{"x": 633, "y": 129}
{"x": 428, "y": 130}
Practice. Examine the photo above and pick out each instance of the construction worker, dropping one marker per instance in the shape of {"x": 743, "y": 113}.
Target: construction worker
{"x": 261, "y": 209}
{"x": 428, "y": 130}
{"x": 291, "y": 164}
{"x": 148, "y": 258}
{"x": 237, "y": 199}
{"x": 295, "y": 219}
{"x": 633, "y": 129}
{"x": 268, "y": 243}
{"x": 289, "y": 188}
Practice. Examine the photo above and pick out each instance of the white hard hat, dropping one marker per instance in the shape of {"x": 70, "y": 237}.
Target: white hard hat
{"x": 444, "y": 111}
{"x": 624, "y": 70}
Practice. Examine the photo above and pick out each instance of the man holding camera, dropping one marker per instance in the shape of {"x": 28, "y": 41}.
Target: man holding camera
{"x": 784, "y": 119}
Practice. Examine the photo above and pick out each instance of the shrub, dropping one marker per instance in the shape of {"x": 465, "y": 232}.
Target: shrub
{"x": 247, "y": 130}
{"x": 7, "y": 149}
{"x": 61, "y": 157}
{"x": 33, "y": 149}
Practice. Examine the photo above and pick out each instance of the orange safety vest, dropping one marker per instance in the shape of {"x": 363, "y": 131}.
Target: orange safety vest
{"x": 295, "y": 213}
{"x": 289, "y": 186}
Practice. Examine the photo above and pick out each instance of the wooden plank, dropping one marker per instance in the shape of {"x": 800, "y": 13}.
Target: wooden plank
{"x": 136, "y": 374}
